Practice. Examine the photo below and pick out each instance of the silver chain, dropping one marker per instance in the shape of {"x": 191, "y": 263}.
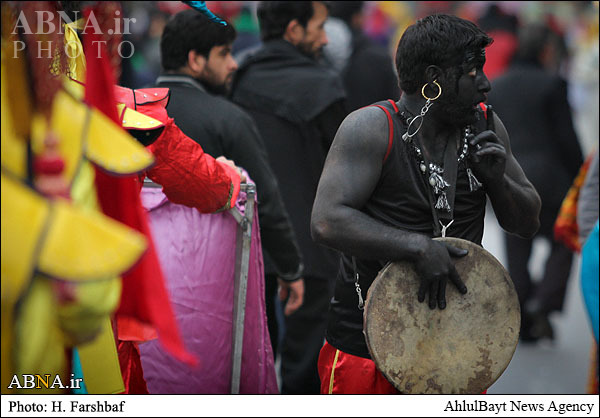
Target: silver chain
{"x": 445, "y": 227}
{"x": 361, "y": 302}
{"x": 419, "y": 117}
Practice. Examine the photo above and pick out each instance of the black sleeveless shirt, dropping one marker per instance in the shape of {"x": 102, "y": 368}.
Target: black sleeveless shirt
{"x": 401, "y": 200}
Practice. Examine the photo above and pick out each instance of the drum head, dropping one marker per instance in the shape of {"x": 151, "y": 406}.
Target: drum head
{"x": 462, "y": 349}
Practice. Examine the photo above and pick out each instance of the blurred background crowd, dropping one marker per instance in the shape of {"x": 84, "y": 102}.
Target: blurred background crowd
{"x": 574, "y": 23}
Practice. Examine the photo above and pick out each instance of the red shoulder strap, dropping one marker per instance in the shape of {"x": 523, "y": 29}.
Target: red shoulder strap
{"x": 390, "y": 131}
{"x": 393, "y": 103}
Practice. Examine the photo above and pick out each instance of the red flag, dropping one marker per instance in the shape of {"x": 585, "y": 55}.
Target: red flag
{"x": 144, "y": 296}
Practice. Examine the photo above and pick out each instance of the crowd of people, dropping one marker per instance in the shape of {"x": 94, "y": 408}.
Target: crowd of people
{"x": 368, "y": 128}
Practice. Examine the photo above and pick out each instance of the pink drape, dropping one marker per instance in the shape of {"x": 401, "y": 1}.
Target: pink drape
{"x": 197, "y": 254}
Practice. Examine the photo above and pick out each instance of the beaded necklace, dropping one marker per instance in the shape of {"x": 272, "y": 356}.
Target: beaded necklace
{"x": 436, "y": 179}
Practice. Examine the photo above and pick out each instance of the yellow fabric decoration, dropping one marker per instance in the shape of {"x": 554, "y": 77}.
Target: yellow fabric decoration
{"x": 74, "y": 52}
{"x": 83, "y": 190}
{"x": 68, "y": 122}
{"x": 74, "y": 88}
{"x": 17, "y": 100}
{"x": 121, "y": 154}
{"x": 70, "y": 244}
{"x": 81, "y": 246}
{"x": 85, "y": 131}
{"x": 81, "y": 319}
{"x": 34, "y": 338}
{"x": 23, "y": 216}
{"x": 6, "y": 342}
{"x": 77, "y": 247}
{"x": 136, "y": 120}
{"x": 132, "y": 119}
{"x": 101, "y": 369}
{"x": 87, "y": 246}
{"x": 38, "y": 336}
{"x": 14, "y": 154}
{"x": 22, "y": 220}
{"x": 99, "y": 358}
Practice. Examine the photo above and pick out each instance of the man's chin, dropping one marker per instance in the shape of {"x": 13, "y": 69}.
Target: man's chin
{"x": 310, "y": 53}
{"x": 471, "y": 117}
{"x": 220, "y": 89}
{"x": 228, "y": 84}
{"x": 318, "y": 53}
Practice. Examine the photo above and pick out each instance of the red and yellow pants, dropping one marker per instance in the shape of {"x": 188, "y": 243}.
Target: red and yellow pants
{"x": 343, "y": 373}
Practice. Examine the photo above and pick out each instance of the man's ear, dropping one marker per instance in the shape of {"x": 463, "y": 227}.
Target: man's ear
{"x": 196, "y": 62}
{"x": 294, "y": 32}
{"x": 433, "y": 72}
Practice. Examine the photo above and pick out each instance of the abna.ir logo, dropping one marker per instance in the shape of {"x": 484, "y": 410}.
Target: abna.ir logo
{"x": 39, "y": 381}
{"x": 45, "y": 24}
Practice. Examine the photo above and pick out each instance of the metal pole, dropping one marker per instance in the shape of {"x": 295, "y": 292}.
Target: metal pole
{"x": 242, "y": 263}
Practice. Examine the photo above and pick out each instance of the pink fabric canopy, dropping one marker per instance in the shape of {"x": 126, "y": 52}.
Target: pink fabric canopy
{"x": 197, "y": 253}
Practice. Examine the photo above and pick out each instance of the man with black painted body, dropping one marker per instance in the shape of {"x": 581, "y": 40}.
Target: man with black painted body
{"x": 384, "y": 194}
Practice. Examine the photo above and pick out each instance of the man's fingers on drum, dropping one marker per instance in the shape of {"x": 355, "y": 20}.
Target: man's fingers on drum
{"x": 455, "y": 251}
{"x": 442, "y": 294}
{"x": 455, "y": 278}
{"x": 422, "y": 291}
{"x": 433, "y": 292}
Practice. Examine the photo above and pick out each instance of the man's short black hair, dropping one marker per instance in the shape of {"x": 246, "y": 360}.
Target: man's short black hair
{"x": 346, "y": 10}
{"x": 438, "y": 39}
{"x": 191, "y": 30}
{"x": 274, "y": 16}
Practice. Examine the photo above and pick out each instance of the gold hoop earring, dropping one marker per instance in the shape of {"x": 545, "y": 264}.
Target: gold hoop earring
{"x": 418, "y": 120}
{"x": 439, "y": 91}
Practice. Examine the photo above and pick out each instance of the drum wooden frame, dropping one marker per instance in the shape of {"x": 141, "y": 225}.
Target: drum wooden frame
{"x": 462, "y": 349}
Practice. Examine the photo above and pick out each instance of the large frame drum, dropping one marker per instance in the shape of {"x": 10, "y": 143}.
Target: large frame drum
{"x": 462, "y": 349}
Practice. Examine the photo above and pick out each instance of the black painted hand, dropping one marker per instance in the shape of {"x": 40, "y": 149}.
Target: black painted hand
{"x": 434, "y": 269}
{"x": 488, "y": 155}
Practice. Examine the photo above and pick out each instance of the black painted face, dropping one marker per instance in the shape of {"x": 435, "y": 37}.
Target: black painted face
{"x": 465, "y": 88}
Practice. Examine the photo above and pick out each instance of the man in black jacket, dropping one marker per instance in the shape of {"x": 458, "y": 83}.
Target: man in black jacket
{"x": 298, "y": 106}
{"x": 198, "y": 68}
{"x": 368, "y": 74}
{"x": 536, "y": 112}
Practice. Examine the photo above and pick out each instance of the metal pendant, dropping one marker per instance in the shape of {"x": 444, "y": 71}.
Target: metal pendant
{"x": 437, "y": 181}
{"x": 474, "y": 184}
{"x": 442, "y": 202}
